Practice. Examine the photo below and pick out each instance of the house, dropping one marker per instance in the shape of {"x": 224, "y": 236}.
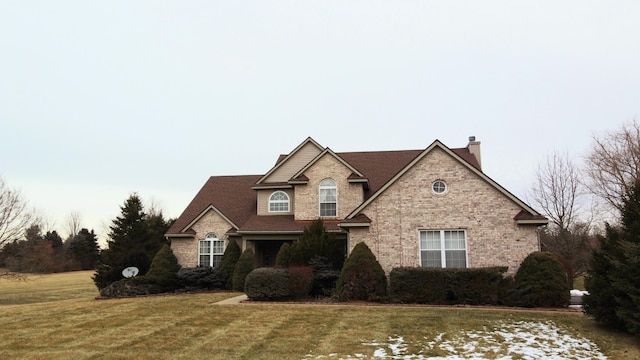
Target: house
{"x": 431, "y": 207}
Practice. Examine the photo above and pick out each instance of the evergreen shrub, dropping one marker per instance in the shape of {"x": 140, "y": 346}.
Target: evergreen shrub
{"x": 541, "y": 281}
{"x": 362, "y": 277}
{"x": 228, "y": 263}
{"x": 201, "y": 277}
{"x": 163, "y": 270}
{"x": 446, "y": 286}
{"x": 243, "y": 267}
{"x": 325, "y": 276}
{"x": 264, "y": 284}
{"x": 283, "y": 259}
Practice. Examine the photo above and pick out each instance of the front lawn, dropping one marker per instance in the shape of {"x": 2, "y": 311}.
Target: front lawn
{"x": 192, "y": 326}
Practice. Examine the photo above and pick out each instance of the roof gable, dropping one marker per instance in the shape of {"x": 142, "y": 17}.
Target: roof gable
{"x": 230, "y": 196}
{"x": 467, "y": 161}
{"x": 327, "y": 152}
{"x": 288, "y": 165}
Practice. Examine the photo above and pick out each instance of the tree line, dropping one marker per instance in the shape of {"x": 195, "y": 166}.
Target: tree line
{"x": 26, "y": 247}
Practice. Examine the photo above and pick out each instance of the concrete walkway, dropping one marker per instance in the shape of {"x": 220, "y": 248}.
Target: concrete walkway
{"x": 234, "y": 300}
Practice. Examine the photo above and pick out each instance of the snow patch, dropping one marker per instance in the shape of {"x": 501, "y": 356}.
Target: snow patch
{"x": 576, "y": 292}
{"x": 505, "y": 341}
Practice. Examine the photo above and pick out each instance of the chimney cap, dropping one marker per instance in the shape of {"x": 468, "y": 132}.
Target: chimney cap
{"x": 472, "y": 138}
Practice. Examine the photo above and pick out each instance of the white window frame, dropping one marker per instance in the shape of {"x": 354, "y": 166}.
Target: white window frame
{"x": 323, "y": 187}
{"x": 442, "y": 247}
{"x": 210, "y": 251}
{"x": 439, "y": 187}
{"x": 278, "y": 203}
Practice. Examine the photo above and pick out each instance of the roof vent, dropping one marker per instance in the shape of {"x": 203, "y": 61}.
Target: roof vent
{"x": 472, "y": 138}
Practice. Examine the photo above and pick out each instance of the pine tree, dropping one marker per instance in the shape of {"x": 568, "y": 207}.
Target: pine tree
{"x": 83, "y": 250}
{"x": 316, "y": 241}
{"x": 135, "y": 238}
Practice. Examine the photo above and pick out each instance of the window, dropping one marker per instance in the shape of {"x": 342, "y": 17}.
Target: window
{"x": 279, "y": 202}
{"x": 210, "y": 251}
{"x": 328, "y": 198}
{"x": 439, "y": 187}
{"x": 443, "y": 248}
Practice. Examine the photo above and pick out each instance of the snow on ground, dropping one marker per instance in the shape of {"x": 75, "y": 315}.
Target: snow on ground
{"x": 576, "y": 292}
{"x": 506, "y": 341}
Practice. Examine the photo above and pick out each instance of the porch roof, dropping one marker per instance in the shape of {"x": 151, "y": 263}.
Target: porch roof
{"x": 282, "y": 224}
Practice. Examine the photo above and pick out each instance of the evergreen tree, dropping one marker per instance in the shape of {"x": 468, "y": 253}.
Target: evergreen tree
{"x": 83, "y": 250}
{"x": 54, "y": 239}
{"x": 134, "y": 239}
{"x": 228, "y": 263}
{"x": 599, "y": 281}
{"x": 614, "y": 281}
{"x": 316, "y": 241}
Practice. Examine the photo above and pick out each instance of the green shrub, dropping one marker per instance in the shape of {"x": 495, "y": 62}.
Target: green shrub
{"x": 362, "y": 277}
{"x": 315, "y": 240}
{"x": 325, "y": 276}
{"x": 446, "y": 286}
{"x": 541, "y": 282}
{"x": 283, "y": 259}
{"x": 243, "y": 267}
{"x": 300, "y": 281}
{"x": 163, "y": 269}
{"x": 228, "y": 263}
{"x": 201, "y": 277}
{"x": 267, "y": 284}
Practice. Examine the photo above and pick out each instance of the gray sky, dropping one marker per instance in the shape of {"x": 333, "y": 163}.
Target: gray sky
{"x": 99, "y": 99}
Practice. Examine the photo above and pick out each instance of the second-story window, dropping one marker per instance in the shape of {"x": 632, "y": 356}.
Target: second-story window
{"x": 279, "y": 202}
{"x": 328, "y": 198}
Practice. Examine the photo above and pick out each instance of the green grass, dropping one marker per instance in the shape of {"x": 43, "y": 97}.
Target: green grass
{"x": 57, "y": 317}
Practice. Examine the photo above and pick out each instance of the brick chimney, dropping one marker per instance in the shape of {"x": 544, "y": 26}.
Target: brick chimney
{"x": 474, "y": 149}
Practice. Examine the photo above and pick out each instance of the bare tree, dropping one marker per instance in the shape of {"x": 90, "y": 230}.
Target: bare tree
{"x": 613, "y": 165}
{"x": 15, "y": 216}
{"x": 558, "y": 192}
{"x": 73, "y": 224}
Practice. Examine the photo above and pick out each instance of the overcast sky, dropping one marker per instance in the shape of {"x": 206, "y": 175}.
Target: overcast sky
{"x": 100, "y": 99}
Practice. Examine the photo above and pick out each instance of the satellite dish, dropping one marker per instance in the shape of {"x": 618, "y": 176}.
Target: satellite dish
{"x": 130, "y": 272}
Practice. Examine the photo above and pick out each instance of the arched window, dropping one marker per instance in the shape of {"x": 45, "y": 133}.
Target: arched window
{"x": 210, "y": 251}
{"x": 279, "y": 202}
{"x": 328, "y": 198}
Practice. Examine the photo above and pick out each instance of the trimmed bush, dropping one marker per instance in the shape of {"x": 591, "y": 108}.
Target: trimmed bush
{"x": 541, "y": 282}
{"x": 243, "y": 267}
{"x": 267, "y": 284}
{"x": 300, "y": 281}
{"x": 362, "y": 277}
{"x": 228, "y": 263}
{"x": 446, "y": 286}
{"x": 163, "y": 270}
{"x": 201, "y": 277}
